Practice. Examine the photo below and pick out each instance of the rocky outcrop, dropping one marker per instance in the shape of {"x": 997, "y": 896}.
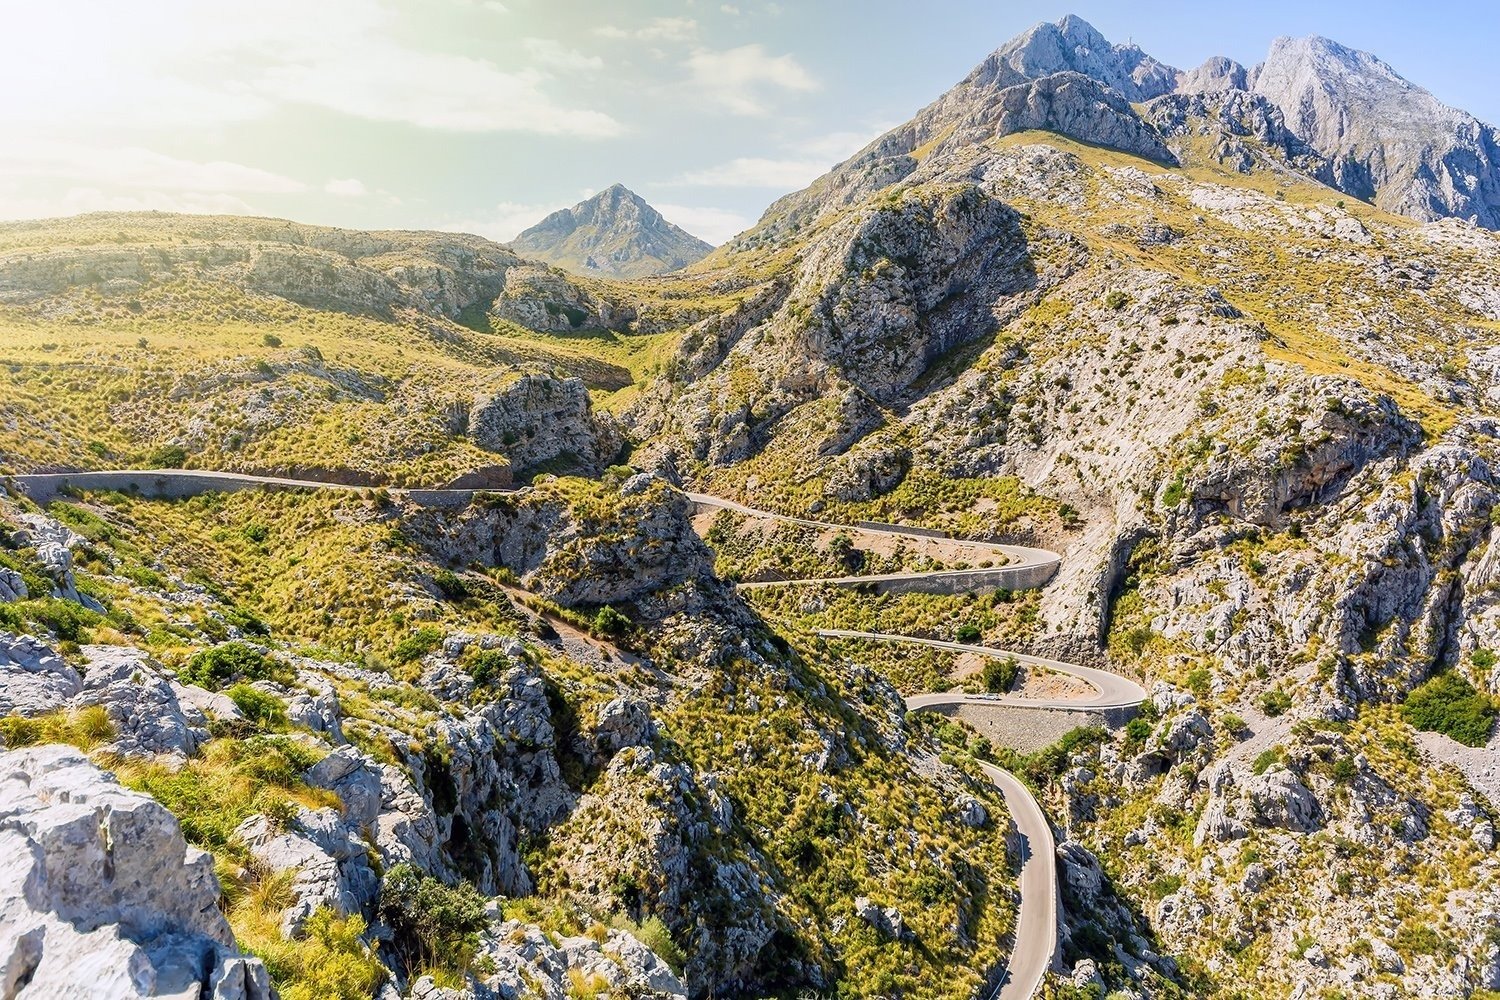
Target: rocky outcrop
{"x": 101, "y": 896}
{"x": 33, "y": 678}
{"x": 1247, "y": 131}
{"x": 143, "y": 708}
{"x": 539, "y": 298}
{"x": 54, "y": 544}
{"x": 327, "y": 859}
{"x": 543, "y": 421}
{"x": 662, "y": 856}
{"x": 1214, "y": 75}
{"x": 529, "y": 962}
{"x": 1072, "y": 45}
{"x": 620, "y": 549}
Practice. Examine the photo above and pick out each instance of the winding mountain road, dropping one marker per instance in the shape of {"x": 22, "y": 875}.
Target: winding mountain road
{"x": 1035, "y": 948}
{"x": 1036, "y": 943}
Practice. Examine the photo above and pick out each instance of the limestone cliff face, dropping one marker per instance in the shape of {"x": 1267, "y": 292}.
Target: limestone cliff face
{"x": 541, "y": 421}
{"x": 1390, "y": 141}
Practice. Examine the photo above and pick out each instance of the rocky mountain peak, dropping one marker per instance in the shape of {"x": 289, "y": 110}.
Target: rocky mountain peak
{"x": 614, "y": 234}
{"x": 1391, "y": 142}
{"x": 1217, "y": 73}
{"x": 1074, "y": 45}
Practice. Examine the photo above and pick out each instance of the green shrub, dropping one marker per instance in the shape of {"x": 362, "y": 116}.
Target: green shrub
{"x": 1275, "y": 702}
{"x": 1175, "y": 492}
{"x": 265, "y": 710}
{"x": 653, "y": 933}
{"x": 488, "y": 666}
{"x": 450, "y": 585}
{"x": 170, "y": 456}
{"x": 67, "y": 620}
{"x": 611, "y": 624}
{"x": 233, "y": 661}
{"x": 432, "y": 924}
{"x": 1138, "y": 638}
{"x": 1138, "y": 730}
{"x": 1483, "y": 660}
{"x": 421, "y": 642}
{"x": 999, "y": 675}
{"x": 1447, "y": 703}
{"x": 968, "y": 633}
{"x": 1117, "y": 300}
{"x": 1267, "y": 758}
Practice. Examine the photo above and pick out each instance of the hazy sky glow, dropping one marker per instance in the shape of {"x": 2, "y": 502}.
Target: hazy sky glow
{"x": 483, "y": 115}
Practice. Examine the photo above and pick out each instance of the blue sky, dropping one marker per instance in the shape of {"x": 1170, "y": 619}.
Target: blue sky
{"x": 483, "y": 115}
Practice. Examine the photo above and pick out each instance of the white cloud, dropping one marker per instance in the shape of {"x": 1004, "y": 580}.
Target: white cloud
{"x": 736, "y": 79}
{"x": 381, "y": 81}
{"x": 505, "y": 222}
{"x": 756, "y": 172}
{"x": 555, "y": 55}
{"x": 809, "y": 160}
{"x": 351, "y": 187}
{"x": 659, "y": 29}
{"x": 136, "y": 167}
{"x": 716, "y": 225}
{"x": 730, "y": 9}
{"x": 835, "y": 147}
{"x": 183, "y": 64}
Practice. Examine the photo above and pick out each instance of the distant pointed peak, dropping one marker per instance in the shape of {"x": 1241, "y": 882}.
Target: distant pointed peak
{"x": 616, "y": 233}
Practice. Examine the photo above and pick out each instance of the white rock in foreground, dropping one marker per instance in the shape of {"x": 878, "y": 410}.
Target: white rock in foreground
{"x": 101, "y": 897}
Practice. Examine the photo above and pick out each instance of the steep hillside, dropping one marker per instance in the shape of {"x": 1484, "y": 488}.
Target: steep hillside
{"x": 1254, "y": 413}
{"x": 614, "y": 234}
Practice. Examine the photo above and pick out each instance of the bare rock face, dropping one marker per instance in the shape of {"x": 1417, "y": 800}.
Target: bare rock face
{"x": 329, "y": 862}
{"x": 619, "y": 550}
{"x": 1072, "y": 45}
{"x": 143, "y": 708}
{"x": 543, "y": 420}
{"x": 542, "y": 299}
{"x": 529, "y": 962}
{"x": 1216, "y": 74}
{"x": 1248, "y": 131}
{"x": 1077, "y": 106}
{"x": 1390, "y": 141}
{"x": 101, "y": 896}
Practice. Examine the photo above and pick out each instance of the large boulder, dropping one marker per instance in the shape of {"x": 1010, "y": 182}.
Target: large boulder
{"x": 142, "y": 704}
{"x": 33, "y": 679}
{"x": 330, "y": 863}
{"x": 100, "y": 896}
